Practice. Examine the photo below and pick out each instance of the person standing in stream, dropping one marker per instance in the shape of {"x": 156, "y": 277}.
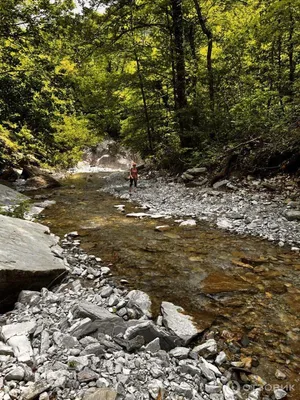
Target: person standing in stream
{"x": 133, "y": 176}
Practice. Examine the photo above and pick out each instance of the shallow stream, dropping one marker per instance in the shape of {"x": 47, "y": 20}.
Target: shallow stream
{"x": 242, "y": 285}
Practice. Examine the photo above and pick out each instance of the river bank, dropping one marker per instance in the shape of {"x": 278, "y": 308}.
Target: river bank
{"x": 250, "y": 209}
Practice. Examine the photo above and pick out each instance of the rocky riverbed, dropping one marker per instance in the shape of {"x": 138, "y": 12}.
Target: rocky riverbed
{"x": 249, "y": 207}
{"x": 88, "y": 339}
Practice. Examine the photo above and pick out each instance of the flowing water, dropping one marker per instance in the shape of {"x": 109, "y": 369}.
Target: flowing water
{"x": 241, "y": 285}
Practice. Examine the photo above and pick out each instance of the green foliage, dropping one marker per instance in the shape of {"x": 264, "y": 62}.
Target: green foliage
{"x": 71, "y": 136}
{"x": 67, "y": 80}
{"x": 17, "y": 211}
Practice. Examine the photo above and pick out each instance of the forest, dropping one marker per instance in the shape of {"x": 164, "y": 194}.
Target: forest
{"x": 183, "y": 82}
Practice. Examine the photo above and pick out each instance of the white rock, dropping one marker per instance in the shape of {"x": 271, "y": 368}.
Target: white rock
{"x": 280, "y": 394}
{"x": 175, "y": 319}
{"x": 228, "y": 393}
{"x": 23, "y": 328}
{"x": 210, "y": 346}
{"x": 180, "y": 352}
{"x": 188, "y": 222}
{"x": 221, "y": 358}
{"x": 22, "y": 348}
{"x": 254, "y": 394}
{"x": 155, "y": 387}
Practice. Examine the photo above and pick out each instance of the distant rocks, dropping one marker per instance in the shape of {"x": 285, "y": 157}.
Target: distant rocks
{"x": 37, "y": 178}
{"x": 265, "y": 208}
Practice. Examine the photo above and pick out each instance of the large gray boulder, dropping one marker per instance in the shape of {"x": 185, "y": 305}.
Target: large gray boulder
{"x": 175, "y": 319}
{"x": 10, "y": 197}
{"x": 27, "y": 258}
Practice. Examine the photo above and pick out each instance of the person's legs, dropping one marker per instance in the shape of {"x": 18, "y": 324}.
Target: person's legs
{"x": 135, "y": 184}
{"x": 131, "y": 183}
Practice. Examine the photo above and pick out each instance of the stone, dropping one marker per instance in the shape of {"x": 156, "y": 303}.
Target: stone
{"x": 197, "y": 171}
{"x": 29, "y": 297}
{"x": 211, "y": 388}
{"x": 154, "y": 346}
{"x": 105, "y": 270}
{"x": 194, "y": 371}
{"x": 155, "y": 388}
{"x": 87, "y": 375}
{"x": 102, "y": 394}
{"x": 162, "y": 228}
{"x": 111, "y": 326}
{"x": 45, "y": 342}
{"x": 23, "y": 328}
{"x": 35, "y": 389}
{"x": 175, "y": 319}
{"x": 279, "y": 374}
{"x": 220, "y": 184}
{"x": 208, "y": 347}
{"x": 224, "y": 223}
{"x": 292, "y": 215}
{"x": 188, "y": 222}
{"x": 94, "y": 348}
{"x": 180, "y": 352}
{"x": 16, "y": 374}
{"x": 106, "y": 291}
{"x": 137, "y": 215}
{"x": 187, "y": 177}
{"x": 78, "y": 363}
{"x": 149, "y": 331}
{"x": 44, "y": 396}
{"x": 5, "y": 350}
{"x": 113, "y": 300}
{"x": 141, "y": 301}
{"x": 254, "y": 394}
{"x": 22, "y": 348}
{"x": 184, "y": 389}
{"x": 228, "y": 393}
{"x": 280, "y": 394}
{"x": 221, "y": 358}
{"x": 27, "y": 260}
{"x": 85, "y": 309}
{"x": 37, "y": 178}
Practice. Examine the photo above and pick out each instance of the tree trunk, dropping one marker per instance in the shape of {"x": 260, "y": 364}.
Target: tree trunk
{"x": 180, "y": 83}
{"x": 292, "y": 63}
{"x": 141, "y": 82}
{"x": 142, "y": 88}
{"x": 208, "y": 33}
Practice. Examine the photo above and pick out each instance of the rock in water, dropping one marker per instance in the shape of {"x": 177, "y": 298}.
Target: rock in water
{"x": 26, "y": 258}
{"x": 175, "y": 319}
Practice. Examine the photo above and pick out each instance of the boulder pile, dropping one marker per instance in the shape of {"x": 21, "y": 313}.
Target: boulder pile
{"x": 89, "y": 339}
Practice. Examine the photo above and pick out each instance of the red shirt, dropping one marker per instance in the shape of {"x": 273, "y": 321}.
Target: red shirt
{"x": 134, "y": 172}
